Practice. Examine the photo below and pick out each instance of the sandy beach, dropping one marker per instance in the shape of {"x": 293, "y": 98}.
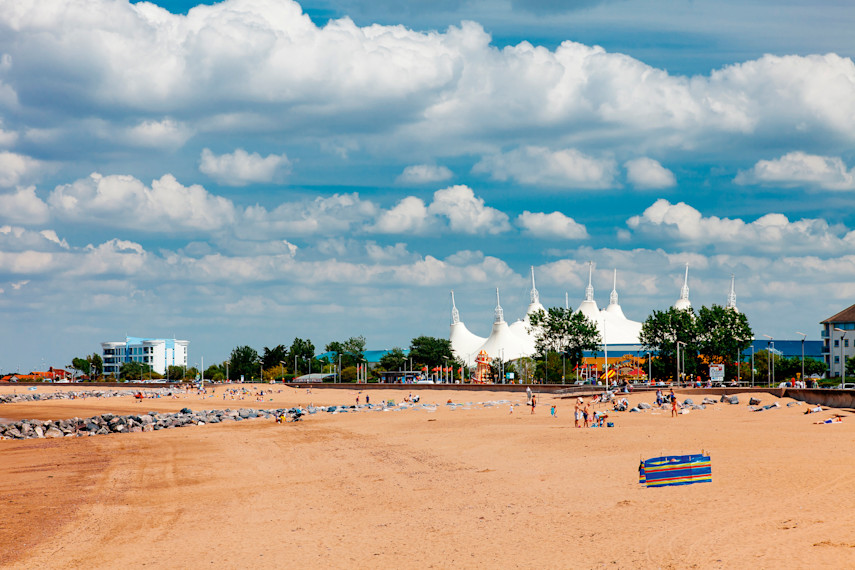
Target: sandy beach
{"x": 471, "y": 487}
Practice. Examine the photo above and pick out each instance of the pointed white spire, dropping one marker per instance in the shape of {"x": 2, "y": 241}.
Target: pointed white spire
{"x": 589, "y": 290}
{"x": 566, "y": 301}
{"x": 613, "y": 298}
{"x": 683, "y": 302}
{"x": 731, "y": 297}
{"x": 500, "y": 313}
{"x": 455, "y": 315}
{"x": 535, "y": 296}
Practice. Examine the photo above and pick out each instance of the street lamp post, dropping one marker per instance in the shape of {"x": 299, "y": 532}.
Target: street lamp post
{"x": 769, "y": 359}
{"x": 804, "y": 336}
{"x": 444, "y": 367}
{"x": 649, "y": 368}
{"x": 679, "y": 342}
{"x": 752, "y": 364}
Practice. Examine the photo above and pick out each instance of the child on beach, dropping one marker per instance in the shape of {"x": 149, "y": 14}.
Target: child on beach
{"x": 533, "y": 402}
{"x": 552, "y": 411}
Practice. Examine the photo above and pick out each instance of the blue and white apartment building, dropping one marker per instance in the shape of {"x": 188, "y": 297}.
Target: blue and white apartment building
{"x": 156, "y": 352}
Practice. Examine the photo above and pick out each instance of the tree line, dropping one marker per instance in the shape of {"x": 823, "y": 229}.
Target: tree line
{"x": 283, "y": 362}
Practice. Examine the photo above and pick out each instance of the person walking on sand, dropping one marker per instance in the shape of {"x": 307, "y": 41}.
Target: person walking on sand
{"x": 586, "y": 414}
{"x": 673, "y": 403}
{"x": 552, "y": 411}
{"x": 577, "y": 411}
{"x": 533, "y": 402}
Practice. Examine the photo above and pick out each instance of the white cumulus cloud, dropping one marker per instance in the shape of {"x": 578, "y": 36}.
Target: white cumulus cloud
{"x": 15, "y": 168}
{"x": 241, "y": 168}
{"x": 801, "y": 169}
{"x": 124, "y": 201}
{"x": 772, "y": 232}
{"x": 646, "y": 173}
{"x": 554, "y": 225}
{"x": 23, "y": 206}
{"x": 466, "y": 212}
{"x": 410, "y": 215}
{"x": 536, "y": 165}
{"x": 164, "y": 133}
{"x": 424, "y": 174}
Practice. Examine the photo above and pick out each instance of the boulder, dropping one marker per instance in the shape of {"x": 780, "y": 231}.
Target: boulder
{"x": 733, "y": 400}
{"x": 688, "y": 402}
{"x": 753, "y": 401}
{"x": 644, "y": 406}
{"x": 53, "y": 432}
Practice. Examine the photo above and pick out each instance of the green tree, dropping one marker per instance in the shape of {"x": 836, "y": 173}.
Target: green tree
{"x": 722, "y": 335}
{"x": 215, "y": 373}
{"x": 352, "y": 350}
{"x": 304, "y": 350}
{"x": 548, "y": 372}
{"x": 91, "y": 364}
{"x": 566, "y": 332}
{"x": 134, "y": 371}
{"x": 80, "y": 364}
{"x": 660, "y": 333}
{"x": 273, "y": 356}
{"x": 175, "y": 373}
{"x": 395, "y": 359}
{"x": 244, "y": 361}
{"x": 762, "y": 360}
{"x": 348, "y": 374}
{"x": 429, "y": 351}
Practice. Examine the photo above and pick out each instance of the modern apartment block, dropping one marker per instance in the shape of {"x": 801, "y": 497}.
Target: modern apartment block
{"x": 156, "y": 352}
{"x": 838, "y": 340}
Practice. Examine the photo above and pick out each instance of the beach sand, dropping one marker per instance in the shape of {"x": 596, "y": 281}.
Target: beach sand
{"x": 463, "y": 488}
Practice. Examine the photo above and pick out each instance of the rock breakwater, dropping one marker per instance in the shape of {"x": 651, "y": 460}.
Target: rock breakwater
{"x": 76, "y": 395}
{"x": 105, "y": 424}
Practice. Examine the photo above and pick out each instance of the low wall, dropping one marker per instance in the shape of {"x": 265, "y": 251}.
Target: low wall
{"x": 830, "y": 398}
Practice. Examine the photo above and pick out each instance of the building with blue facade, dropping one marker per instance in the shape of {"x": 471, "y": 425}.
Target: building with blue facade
{"x": 159, "y": 353}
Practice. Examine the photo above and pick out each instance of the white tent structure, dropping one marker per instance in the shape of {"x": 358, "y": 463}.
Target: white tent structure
{"x": 502, "y": 342}
{"x": 520, "y": 327}
{"x": 463, "y": 342}
{"x": 510, "y": 342}
{"x": 615, "y": 327}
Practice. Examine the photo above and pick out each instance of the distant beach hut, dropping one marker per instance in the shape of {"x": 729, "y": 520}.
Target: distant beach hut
{"x": 675, "y": 470}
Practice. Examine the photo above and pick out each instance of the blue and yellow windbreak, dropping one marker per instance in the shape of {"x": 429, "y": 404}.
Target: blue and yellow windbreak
{"x": 675, "y": 470}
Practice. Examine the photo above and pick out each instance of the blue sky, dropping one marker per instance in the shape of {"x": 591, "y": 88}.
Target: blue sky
{"x": 256, "y": 170}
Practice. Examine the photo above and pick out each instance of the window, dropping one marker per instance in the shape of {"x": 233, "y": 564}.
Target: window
{"x": 836, "y": 342}
{"x": 837, "y": 360}
{"x": 845, "y": 343}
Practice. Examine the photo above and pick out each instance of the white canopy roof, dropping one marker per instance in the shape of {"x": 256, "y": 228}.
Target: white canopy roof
{"x": 510, "y": 342}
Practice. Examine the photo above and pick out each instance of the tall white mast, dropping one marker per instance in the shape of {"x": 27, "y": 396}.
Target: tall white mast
{"x": 455, "y": 315}
{"x": 613, "y": 298}
{"x": 684, "y": 290}
{"x": 731, "y": 297}
{"x": 589, "y": 290}
{"x": 535, "y": 296}
{"x": 500, "y": 313}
